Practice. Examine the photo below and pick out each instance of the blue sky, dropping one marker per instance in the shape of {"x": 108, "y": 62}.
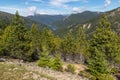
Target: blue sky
{"x": 29, "y": 7}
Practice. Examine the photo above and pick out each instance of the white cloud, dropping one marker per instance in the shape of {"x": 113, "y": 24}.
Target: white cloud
{"x": 107, "y": 3}
{"x": 76, "y": 9}
{"x": 61, "y": 2}
{"x": 41, "y": 12}
{"x": 11, "y": 9}
{"x": 30, "y": 10}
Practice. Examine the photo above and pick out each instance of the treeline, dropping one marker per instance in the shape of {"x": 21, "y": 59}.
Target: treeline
{"x": 101, "y": 53}
{"x": 18, "y": 41}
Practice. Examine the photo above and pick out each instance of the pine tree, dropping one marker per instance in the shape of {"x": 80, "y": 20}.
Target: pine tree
{"x": 67, "y": 45}
{"x": 45, "y": 60}
{"x": 81, "y": 42}
{"x": 47, "y": 38}
{"x": 107, "y": 41}
{"x": 104, "y": 48}
{"x": 57, "y": 63}
{"x": 97, "y": 63}
{"x": 80, "y": 45}
{"x": 17, "y": 20}
{"x": 14, "y": 38}
{"x": 7, "y": 40}
{"x": 34, "y": 42}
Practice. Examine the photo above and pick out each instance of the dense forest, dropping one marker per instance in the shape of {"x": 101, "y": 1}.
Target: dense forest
{"x": 101, "y": 53}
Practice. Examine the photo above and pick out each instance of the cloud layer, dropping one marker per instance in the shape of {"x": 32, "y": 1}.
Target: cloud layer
{"x": 107, "y": 3}
{"x": 30, "y": 7}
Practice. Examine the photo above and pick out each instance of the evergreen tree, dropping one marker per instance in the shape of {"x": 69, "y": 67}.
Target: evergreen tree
{"x": 97, "y": 63}
{"x": 17, "y": 20}
{"x": 80, "y": 45}
{"x": 81, "y": 42}
{"x": 104, "y": 48}
{"x": 57, "y": 63}
{"x": 7, "y": 40}
{"x": 107, "y": 41}
{"x": 47, "y": 38}
{"x": 45, "y": 60}
{"x": 14, "y": 38}
{"x": 33, "y": 37}
{"x": 67, "y": 45}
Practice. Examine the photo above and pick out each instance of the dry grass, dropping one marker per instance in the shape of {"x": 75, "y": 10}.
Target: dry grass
{"x": 79, "y": 67}
{"x": 16, "y": 72}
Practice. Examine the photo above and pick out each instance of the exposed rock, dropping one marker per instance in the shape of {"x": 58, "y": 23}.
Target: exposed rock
{"x": 2, "y": 60}
{"x": 117, "y": 76}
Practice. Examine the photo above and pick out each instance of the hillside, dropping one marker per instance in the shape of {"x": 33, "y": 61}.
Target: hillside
{"x": 5, "y": 19}
{"x": 74, "y": 20}
{"x": 14, "y": 69}
{"x": 77, "y": 18}
{"x": 47, "y": 19}
{"x": 90, "y": 24}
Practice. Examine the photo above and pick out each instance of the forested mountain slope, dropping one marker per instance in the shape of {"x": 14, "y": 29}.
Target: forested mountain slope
{"x": 91, "y": 24}
{"x": 5, "y": 19}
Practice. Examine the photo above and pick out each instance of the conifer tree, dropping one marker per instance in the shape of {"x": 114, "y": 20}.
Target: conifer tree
{"x": 81, "y": 42}
{"x": 13, "y": 37}
{"x": 45, "y": 60}
{"x": 107, "y": 41}
{"x": 97, "y": 63}
{"x": 56, "y": 63}
{"x": 104, "y": 48}
{"x": 47, "y": 38}
{"x": 17, "y": 20}
{"x": 80, "y": 45}
{"x": 34, "y": 42}
{"x": 67, "y": 45}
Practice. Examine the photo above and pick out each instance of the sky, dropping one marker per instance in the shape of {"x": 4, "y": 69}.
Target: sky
{"x": 56, "y": 7}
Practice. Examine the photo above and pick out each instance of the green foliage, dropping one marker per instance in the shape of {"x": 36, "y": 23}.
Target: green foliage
{"x": 73, "y": 46}
{"x": 81, "y": 44}
{"x": 57, "y": 63}
{"x": 105, "y": 77}
{"x": 52, "y": 62}
{"x": 67, "y": 43}
{"x": 107, "y": 41}
{"x": 71, "y": 68}
{"x": 13, "y": 39}
{"x": 33, "y": 39}
{"x": 17, "y": 20}
{"x": 104, "y": 49}
{"x": 52, "y": 42}
{"x": 45, "y": 59}
{"x": 85, "y": 74}
{"x": 97, "y": 63}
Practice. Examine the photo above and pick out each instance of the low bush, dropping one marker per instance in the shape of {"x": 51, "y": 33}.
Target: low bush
{"x": 71, "y": 68}
{"x": 105, "y": 77}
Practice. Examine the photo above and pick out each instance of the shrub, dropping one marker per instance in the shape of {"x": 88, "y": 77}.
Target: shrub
{"x": 56, "y": 63}
{"x": 85, "y": 74}
{"x": 45, "y": 59}
{"x": 71, "y": 68}
{"x": 104, "y": 77}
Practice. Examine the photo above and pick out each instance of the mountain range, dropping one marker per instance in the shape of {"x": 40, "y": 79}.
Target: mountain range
{"x": 47, "y": 19}
{"x": 5, "y": 19}
{"x": 61, "y": 24}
